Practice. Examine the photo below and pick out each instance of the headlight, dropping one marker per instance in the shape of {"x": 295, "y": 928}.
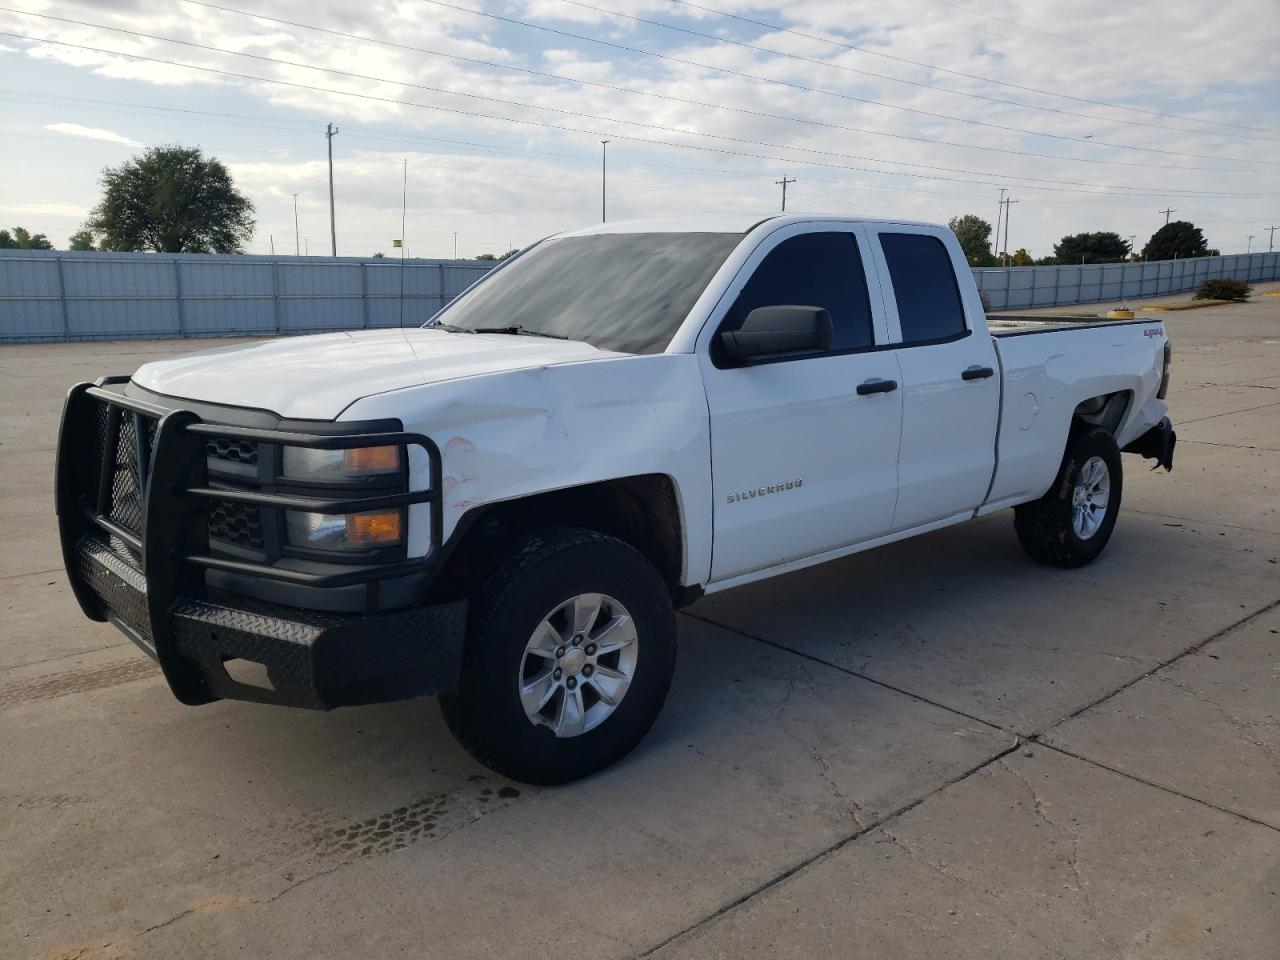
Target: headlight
{"x": 353, "y": 531}
{"x": 305, "y": 463}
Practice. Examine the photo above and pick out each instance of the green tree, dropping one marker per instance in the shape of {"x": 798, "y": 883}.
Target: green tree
{"x": 498, "y": 257}
{"x": 1019, "y": 258}
{"x": 1176, "y": 241}
{"x": 172, "y": 200}
{"x": 974, "y": 235}
{"x": 1100, "y": 247}
{"x": 23, "y": 239}
{"x": 82, "y": 239}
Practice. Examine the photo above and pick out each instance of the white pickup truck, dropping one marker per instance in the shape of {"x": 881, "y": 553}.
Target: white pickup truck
{"x": 505, "y": 506}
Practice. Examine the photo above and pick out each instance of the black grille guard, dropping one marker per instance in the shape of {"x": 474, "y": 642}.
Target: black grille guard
{"x": 173, "y": 541}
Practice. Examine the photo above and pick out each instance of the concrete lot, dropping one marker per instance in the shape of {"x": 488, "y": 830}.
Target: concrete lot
{"x": 934, "y": 749}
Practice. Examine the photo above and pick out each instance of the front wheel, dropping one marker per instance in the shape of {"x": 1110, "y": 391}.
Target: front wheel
{"x": 570, "y": 651}
{"x": 1070, "y": 525}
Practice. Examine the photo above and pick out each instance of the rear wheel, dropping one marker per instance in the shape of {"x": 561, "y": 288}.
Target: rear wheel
{"x": 1071, "y": 524}
{"x": 570, "y": 651}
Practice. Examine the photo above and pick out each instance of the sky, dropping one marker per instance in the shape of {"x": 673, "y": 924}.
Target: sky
{"x": 484, "y": 117}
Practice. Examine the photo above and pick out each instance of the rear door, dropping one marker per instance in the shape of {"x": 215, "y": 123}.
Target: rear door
{"x": 801, "y": 462}
{"x": 950, "y": 377}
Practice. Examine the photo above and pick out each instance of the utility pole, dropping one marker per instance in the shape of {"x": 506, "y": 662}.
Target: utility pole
{"x": 999, "y": 214}
{"x": 1166, "y": 215}
{"x": 329, "y": 133}
{"x": 297, "y": 247}
{"x": 1132, "y": 237}
{"x": 1007, "y": 204}
{"x": 604, "y": 179}
{"x": 271, "y": 237}
{"x": 783, "y": 183}
{"x": 1249, "y": 249}
{"x": 404, "y": 207}
{"x": 455, "y": 244}
{"x": 1272, "y": 240}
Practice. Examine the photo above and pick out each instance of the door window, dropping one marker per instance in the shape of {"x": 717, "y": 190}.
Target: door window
{"x": 813, "y": 270}
{"x": 924, "y": 285}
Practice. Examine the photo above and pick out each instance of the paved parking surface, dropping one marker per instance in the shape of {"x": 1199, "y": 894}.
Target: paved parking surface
{"x": 933, "y": 749}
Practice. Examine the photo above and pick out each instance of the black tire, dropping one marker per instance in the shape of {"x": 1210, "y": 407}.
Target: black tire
{"x": 1045, "y": 527}
{"x": 545, "y": 570}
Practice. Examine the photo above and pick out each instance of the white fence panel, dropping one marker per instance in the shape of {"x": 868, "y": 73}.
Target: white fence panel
{"x": 52, "y": 295}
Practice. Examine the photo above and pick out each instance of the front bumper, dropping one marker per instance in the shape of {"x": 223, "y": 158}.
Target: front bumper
{"x": 134, "y": 532}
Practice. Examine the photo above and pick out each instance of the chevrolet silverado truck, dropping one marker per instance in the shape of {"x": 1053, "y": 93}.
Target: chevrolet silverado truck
{"x": 505, "y": 506}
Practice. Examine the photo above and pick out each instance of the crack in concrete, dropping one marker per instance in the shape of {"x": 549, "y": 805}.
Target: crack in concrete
{"x": 1229, "y": 413}
{"x": 1072, "y": 859}
{"x": 855, "y": 808}
{"x": 1240, "y": 725}
{"x": 914, "y": 853}
{"x": 823, "y": 854}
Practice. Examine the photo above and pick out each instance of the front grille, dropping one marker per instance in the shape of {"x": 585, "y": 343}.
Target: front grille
{"x": 127, "y": 468}
{"x": 232, "y": 450}
{"x": 236, "y": 523}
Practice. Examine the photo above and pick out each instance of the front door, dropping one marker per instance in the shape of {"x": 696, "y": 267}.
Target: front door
{"x": 802, "y": 462}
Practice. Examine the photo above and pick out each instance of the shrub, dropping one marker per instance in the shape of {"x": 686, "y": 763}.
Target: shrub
{"x": 1221, "y": 288}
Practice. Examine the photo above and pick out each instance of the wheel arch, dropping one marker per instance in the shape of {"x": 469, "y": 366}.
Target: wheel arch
{"x": 1106, "y": 410}
{"x": 643, "y": 510}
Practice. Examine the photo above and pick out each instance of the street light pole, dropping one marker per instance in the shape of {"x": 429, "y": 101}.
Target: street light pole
{"x": 604, "y": 179}
{"x": 297, "y": 246}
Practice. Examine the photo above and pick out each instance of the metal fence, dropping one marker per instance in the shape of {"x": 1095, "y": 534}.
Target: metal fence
{"x": 47, "y": 295}
{"x": 1018, "y": 287}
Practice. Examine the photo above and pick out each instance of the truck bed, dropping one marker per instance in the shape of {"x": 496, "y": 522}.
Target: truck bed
{"x": 1014, "y": 325}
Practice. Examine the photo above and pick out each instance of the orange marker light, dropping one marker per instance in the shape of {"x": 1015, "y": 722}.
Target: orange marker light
{"x": 359, "y": 461}
{"x": 374, "y": 529}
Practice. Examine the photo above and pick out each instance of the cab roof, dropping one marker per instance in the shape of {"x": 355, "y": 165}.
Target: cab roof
{"x": 721, "y": 223}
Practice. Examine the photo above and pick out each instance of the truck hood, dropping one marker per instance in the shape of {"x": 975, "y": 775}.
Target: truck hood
{"x": 317, "y": 377}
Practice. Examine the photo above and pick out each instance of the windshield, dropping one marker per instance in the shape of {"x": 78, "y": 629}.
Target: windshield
{"x": 627, "y": 292}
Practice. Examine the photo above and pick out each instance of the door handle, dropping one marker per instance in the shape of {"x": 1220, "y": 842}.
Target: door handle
{"x": 877, "y": 386}
{"x": 977, "y": 373}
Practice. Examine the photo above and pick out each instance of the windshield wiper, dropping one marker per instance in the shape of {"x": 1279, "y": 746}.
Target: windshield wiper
{"x": 519, "y": 332}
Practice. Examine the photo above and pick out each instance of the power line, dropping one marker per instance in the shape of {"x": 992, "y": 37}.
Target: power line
{"x": 916, "y": 63}
{"x": 1053, "y": 185}
{"x": 274, "y": 123}
{"x": 1092, "y": 141}
{"x": 1109, "y": 61}
{"x": 364, "y": 38}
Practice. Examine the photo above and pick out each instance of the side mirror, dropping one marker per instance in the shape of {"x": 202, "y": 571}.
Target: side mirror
{"x": 778, "y": 331}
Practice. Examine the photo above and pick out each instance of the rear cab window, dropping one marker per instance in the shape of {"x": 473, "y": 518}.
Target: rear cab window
{"x": 924, "y": 287}
{"x": 812, "y": 270}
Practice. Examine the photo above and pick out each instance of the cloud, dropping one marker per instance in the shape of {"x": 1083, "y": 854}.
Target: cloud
{"x": 503, "y": 154}
{"x": 91, "y": 133}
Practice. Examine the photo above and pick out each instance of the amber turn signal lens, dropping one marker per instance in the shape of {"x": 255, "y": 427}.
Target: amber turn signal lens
{"x": 373, "y": 529}
{"x": 367, "y": 460}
